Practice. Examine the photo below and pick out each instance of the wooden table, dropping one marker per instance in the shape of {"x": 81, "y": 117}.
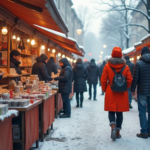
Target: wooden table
{"x": 6, "y": 133}
{"x": 47, "y": 114}
{"x": 30, "y": 125}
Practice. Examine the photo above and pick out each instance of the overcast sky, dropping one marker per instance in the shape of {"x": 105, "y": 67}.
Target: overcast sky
{"x": 94, "y": 25}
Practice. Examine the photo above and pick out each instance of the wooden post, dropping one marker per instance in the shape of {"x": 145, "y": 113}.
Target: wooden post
{"x": 38, "y": 50}
{"x": 8, "y": 49}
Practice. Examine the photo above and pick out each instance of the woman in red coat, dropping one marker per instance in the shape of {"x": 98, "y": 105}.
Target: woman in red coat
{"x": 115, "y": 102}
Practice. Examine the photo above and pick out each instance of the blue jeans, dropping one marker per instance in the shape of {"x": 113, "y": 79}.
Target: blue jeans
{"x": 66, "y": 103}
{"x": 90, "y": 90}
{"x": 144, "y": 121}
{"x": 129, "y": 96}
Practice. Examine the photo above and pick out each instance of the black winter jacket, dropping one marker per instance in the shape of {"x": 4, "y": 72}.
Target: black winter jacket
{"x": 141, "y": 76}
{"x": 15, "y": 64}
{"x": 93, "y": 71}
{"x": 130, "y": 65}
{"x": 51, "y": 67}
{"x": 80, "y": 75}
{"x": 101, "y": 68}
{"x": 65, "y": 77}
{"x": 40, "y": 69}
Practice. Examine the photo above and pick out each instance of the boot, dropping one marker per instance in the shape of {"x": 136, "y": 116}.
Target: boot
{"x": 77, "y": 103}
{"x": 118, "y": 135}
{"x": 81, "y": 102}
{"x": 113, "y": 132}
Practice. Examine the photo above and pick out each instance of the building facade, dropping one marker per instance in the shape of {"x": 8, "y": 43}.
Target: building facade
{"x": 73, "y": 22}
{"x": 137, "y": 33}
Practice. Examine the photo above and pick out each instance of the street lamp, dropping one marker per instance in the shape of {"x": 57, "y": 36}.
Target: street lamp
{"x": 104, "y": 46}
{"x": 79, "y": 31}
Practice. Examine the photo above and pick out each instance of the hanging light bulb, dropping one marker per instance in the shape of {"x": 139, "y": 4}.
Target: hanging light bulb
{"x": 71, "y": 60}
{"x": 14, "y": 37}
{"x": 43, "y": 47}
{"x": 68, "y": 58}
{"x": 32, "y": 42}
{"x": 28, "y": 40}
{"x": 53, "y": 51}
{"x": 4, "y": 29}
{"x": 63, "y": 56}
{"x": 74, "y": 61}
{"x": 59, "y": 54}
{"x": 18, "y": 38}
{"x": 49, "y": 49}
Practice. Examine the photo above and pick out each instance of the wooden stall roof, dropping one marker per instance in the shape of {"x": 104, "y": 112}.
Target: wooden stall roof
{"x": 59, "y": 38}
{"x": 41, "y": 12}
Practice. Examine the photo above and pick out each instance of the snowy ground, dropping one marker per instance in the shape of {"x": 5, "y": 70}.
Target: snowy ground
{"x": 88, "y": 129}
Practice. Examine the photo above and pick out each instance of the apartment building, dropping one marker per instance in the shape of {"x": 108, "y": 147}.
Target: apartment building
{"x": 73, "y": 22}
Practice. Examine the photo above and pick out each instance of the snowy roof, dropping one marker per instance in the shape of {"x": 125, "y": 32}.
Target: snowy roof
{"x": 81, "y": 47}
{"x": 8, "y": 114}
{"x": 144, "y": 38}
{"x": 126, "y": 51}
{"x": 56, "y": 32}
{"x": 138, "y": 43}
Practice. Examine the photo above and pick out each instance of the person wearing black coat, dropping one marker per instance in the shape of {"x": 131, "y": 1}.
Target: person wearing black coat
{"x": 131, "y": 66}
{"x": 141, "y": 79}
{"x": 93, "y": 77}
{"x": 40, "y": 68}
{"x": 51, "y": 66}
{"x": 101, "y": 71}
{"x": 80, "y": 75}
{"x": 65, "y": 86}
{"x": 14, "y": 62}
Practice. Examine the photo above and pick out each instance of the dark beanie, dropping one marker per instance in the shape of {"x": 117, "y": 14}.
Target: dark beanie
{"x": 126, "y": 57}
{"x": 93, "y": 60}
{"x": 145, "y": 50}
{"x": 44, "y": 57}
{"x": 79, "y": 60}
{"x": 14, "y": 52}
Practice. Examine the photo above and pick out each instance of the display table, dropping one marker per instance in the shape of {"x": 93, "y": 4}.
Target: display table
{"x": 6, "y": 142}
{"x": 72, "y": 93}
{"x": 47, "y": 114}
{"x": 58, "y": 103}
{"x": 30, "y": 125}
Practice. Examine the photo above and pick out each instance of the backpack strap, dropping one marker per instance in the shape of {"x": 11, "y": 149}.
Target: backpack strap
{"x": 122, "y": 69}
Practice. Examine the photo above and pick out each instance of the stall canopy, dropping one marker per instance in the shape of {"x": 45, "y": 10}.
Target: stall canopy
{"x": 69, "y": 44}
{"x": 41, "y": 12}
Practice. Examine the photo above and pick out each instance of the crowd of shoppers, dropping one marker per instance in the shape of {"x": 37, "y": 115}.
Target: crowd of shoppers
{"x": 114, "y": 73}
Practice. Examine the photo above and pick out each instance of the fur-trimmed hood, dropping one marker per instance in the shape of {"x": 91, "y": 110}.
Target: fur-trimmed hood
{"x": 116, "y": 61}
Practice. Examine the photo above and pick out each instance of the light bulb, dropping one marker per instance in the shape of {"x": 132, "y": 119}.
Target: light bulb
{"x": 104, "y": 46}
{"x": 28, "y": 40}
{"x": 68, "y": 58}
{"x": 53, "y": 51}
{"x": 4, "y": 31}
{"x": 74, "y": 61}
{"x": 32, "y": 42}
{"x": 14, "y": 37}
{"x": 102, "y": 52}
{"x": 59, "y": 54}
{"x": 71, "y": 60}
{"x": 18, "y": 38}
{"x": 49, "y": 49}
{"x": 63, "y": 56}
{"x": 42, "y": 47}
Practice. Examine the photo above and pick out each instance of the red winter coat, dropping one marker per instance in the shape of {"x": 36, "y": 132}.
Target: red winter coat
{"x": 115, "y": 101}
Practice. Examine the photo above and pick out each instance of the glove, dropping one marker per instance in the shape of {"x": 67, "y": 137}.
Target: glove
{"x": 56, "y": 78}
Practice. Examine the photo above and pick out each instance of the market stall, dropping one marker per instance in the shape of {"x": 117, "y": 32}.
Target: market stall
{"x": 6, "y": 142}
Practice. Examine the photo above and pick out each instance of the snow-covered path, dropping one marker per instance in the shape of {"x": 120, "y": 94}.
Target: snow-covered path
{"x": 88, "y": 129}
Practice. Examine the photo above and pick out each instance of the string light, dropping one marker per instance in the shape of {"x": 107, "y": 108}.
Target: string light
{"x": 74, "y": 61}
{"x": 49, "y": 49}
{"x": 63, "y": 56}
{"x": 59, "y": 54}
{"x": 53, "y": 51}
{"x": 4, "y": 29}
{"x": 32, "y": 42}
{"x": 28, "y": 40}
{"x": 14, "y": 37}
{"x": 18, "y": 38}
{"x": 43, "y": 47}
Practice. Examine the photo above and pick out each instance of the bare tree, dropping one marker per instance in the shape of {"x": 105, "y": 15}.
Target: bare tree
{"x": 108, "y": 33}
{"x": 83, "y": 12}
{"x": 124, "y": 7}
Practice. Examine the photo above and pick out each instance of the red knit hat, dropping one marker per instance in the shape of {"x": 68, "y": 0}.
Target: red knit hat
{"x": 116, "y": 52}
